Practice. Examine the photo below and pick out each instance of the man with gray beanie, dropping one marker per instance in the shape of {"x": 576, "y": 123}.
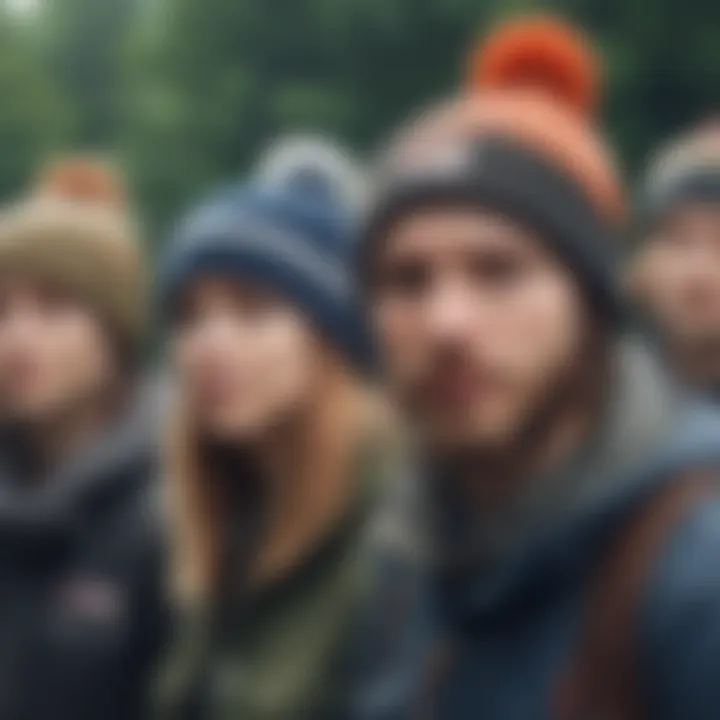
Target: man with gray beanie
{"x": 674, "y": 276}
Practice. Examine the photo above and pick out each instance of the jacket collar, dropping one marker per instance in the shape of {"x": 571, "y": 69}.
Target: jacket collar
{"x": 120, "y": 456}
{"x": 648, "y": 432}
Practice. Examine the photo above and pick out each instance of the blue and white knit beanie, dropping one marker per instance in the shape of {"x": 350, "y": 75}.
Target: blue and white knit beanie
{"x": 291, "y": 228}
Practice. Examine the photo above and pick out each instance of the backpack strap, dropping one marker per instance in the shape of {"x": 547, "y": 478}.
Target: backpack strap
{"x": 601, "y": 680}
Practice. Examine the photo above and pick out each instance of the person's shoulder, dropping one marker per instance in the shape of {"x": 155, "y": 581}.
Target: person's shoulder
{"x": 689, "y": 565}
{"x": 680, "y": 618}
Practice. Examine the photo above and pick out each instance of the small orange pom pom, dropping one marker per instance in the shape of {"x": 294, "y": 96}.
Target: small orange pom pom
{"x": 85, "y": 179}
{"x": 541, "y": 53}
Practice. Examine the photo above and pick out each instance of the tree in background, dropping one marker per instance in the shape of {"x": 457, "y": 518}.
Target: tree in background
{"x": 221, "y": 77}
{"x": 663, "y": 66}
{"x": 34, "y": 120}
{"x": 84, "y": 45}
{"x": 189, "y": 91}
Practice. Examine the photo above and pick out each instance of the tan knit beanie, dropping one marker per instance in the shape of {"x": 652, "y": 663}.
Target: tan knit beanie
{"x": 74, "y": 231}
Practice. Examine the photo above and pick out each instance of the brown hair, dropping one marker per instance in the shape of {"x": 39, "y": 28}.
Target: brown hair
{"x": 209, "y": 489}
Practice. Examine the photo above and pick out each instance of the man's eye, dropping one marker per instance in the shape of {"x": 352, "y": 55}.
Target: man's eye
{"x": 405, "y": 278}
{"x": 497, "y": 269}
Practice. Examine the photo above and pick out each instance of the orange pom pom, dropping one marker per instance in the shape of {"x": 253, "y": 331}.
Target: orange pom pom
{"x": 539, "y": 53}
{"x": 85, "y": 179}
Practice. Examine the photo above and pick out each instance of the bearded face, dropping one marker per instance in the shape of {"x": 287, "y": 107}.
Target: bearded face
{"x": 481, "y": 327}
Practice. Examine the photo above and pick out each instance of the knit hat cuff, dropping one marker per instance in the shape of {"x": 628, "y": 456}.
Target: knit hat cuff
{"x": 697, "y": 184}
{"x": 265, "y": 254}
{"x": 518, "y": 182}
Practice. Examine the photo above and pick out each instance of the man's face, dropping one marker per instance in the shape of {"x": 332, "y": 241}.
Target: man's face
{"x": 54, "y": 353}
{"x": 478, "y": 323}
{"x": 246, "y": 359}
{"x": 677, "y": 279}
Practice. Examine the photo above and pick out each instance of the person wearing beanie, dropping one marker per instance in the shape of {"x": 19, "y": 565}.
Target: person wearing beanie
{"x": 567, "y": 506}
{"x": 81, "y": 608}
{"x": 279, "y": 448}
{"x": 674, "y": 272}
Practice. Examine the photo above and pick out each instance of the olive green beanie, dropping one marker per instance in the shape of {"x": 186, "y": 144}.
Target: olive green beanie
{"x": 74, "y": 231}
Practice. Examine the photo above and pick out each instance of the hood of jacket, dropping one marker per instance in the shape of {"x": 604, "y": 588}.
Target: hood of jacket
{"x": 649, "y": 432}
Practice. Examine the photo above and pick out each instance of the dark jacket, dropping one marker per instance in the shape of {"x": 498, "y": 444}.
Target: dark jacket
{"x": 506, "y": 615}
{"x": 81, "y": 615}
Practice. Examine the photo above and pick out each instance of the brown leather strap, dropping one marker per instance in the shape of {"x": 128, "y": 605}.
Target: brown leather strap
{"x": 602, "y": 679}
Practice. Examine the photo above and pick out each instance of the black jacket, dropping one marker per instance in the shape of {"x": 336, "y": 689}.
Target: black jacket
{"x": 81, "y": 609}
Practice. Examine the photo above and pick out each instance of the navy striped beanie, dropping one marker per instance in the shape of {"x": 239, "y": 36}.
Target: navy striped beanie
{"x": 292, "y": 229}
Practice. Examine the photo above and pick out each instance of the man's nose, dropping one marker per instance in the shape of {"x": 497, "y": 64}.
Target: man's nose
{"x": 453, "y": 312}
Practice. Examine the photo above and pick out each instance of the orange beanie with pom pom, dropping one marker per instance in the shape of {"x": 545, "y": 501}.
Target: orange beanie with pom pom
{"x": 73, "y": 231}
{"x": 520, "y": 139}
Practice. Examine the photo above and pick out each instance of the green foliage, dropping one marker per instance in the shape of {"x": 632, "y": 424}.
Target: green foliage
{"x": 33, "y": 118}
{"x": 83, "y": 44}
{"x": 237, "y": 72}
{"x": 189, "y": 91}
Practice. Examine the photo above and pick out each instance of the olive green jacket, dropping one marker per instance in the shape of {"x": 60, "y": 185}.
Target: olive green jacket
{"x": 289, "y": 650}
